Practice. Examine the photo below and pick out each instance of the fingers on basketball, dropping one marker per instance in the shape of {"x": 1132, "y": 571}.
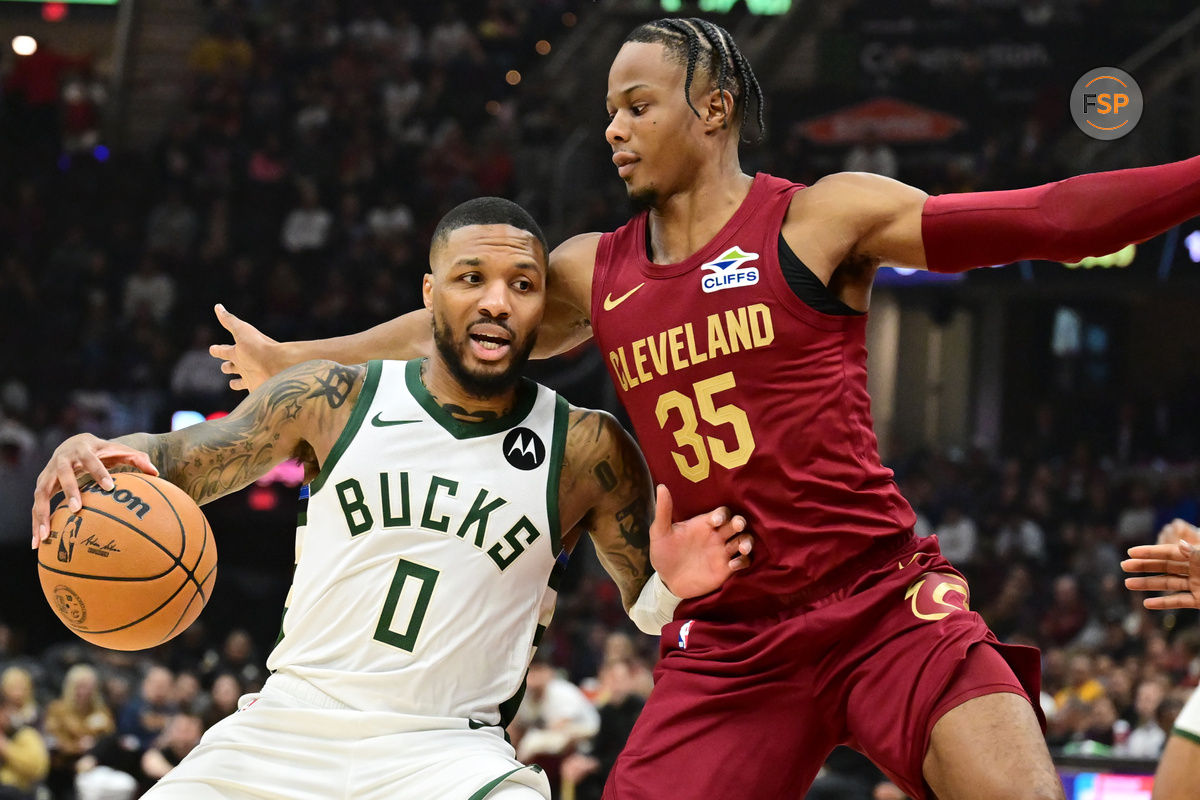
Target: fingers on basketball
{"x": 133, "y": 567}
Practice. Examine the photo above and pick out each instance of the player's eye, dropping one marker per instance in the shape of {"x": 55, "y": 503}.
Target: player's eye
{"x": 639, "y": 109}
{"x": 523, "y": 285}
{"x": 471, "y": 277}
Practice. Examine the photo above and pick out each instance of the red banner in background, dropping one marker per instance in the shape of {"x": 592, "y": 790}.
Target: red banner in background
{"x": 885, "y": 119}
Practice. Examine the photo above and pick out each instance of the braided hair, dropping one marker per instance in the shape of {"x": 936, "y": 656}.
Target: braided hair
{"x": 684, "y": 40}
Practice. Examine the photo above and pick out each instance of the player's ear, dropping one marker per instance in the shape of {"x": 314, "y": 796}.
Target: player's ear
{"x": 427, "y": 290}
{"x": 717, "y": 110}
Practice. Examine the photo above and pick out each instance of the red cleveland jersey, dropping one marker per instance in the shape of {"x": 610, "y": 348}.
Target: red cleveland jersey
{"x": 742, "y": 394}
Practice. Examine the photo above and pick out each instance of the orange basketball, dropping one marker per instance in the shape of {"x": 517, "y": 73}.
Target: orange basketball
{"x": 133, "y": 568}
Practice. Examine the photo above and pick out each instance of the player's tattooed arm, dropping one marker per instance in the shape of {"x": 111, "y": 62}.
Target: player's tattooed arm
{"x": 606, "y": 486}
{"x": 298, "y": 412}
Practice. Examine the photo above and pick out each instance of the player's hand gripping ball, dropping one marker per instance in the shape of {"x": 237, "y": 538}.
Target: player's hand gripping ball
{"x": 133, "y": 568}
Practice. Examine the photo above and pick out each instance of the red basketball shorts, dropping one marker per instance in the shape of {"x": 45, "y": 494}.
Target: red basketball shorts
{"x": 750, "y": 709}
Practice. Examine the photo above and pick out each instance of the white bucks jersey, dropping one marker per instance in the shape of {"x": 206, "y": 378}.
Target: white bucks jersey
{"x": 425, "y": 553}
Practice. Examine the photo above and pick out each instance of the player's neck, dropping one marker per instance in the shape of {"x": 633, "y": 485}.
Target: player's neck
{"x": 683, "y": 222}
{"x": 456, "y": 401}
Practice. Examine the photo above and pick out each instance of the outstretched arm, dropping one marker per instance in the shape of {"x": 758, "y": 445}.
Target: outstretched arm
{"x": 606, "y": 487}
{"x": 253, "y": 357}
{"x": 299, "y": 412}
{"x": 863, "y": 218}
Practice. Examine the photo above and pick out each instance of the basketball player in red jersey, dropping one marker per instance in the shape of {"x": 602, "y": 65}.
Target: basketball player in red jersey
{"x": 731, "y": 314}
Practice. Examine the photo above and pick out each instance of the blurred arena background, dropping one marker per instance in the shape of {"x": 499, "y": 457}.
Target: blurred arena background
{"x": 289, "y": 159}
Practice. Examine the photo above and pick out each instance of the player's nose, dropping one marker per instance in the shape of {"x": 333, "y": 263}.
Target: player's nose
{"x": 495, "y": 300}
{"x": 616, "y": 132}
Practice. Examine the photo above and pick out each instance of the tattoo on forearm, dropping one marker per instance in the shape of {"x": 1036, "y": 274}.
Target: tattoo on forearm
{"x": 220, "y": 457}
{"x": 632, "y": 522}
{"x": 335, "y": 385}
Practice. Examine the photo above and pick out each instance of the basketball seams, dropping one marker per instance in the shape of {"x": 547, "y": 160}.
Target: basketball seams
{"x": 189, "y": 571}
{"x": 141, "y": 533}
{"x": 157, "y": 625}
{"x": 141, "y": 619}
{"x": 199, "y": 593}
{"x": 174, "y": 560}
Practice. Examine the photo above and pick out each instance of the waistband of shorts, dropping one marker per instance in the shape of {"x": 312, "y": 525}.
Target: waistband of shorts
{"x": 301, "y": 689}
{"x": 848, "y": 572}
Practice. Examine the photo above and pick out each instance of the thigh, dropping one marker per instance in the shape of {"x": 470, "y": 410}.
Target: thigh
{"x": 443, "y": 763}
{"x": 991, "y": 748}
{"x": 266, "y": 751}
{"x": 708, "y": 731}
{"x": 923, "y": 653}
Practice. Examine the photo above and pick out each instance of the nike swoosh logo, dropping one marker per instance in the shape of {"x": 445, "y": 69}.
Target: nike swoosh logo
{"x": 383, "y": 423}
{"x": 610, "y": 304}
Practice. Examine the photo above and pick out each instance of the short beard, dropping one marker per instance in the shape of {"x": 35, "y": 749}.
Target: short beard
{"x": 644, "y": 199}
{"x": 480, "y": 386}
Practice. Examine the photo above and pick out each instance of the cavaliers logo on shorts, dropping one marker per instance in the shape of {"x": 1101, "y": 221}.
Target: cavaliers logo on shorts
{"x": 935, "y": 595}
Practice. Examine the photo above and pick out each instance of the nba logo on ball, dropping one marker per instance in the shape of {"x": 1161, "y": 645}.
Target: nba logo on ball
{"x": 684, "y": 631}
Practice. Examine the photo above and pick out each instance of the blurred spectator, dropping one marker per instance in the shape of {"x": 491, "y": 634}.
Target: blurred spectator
{"x": 307, "y": 226}
{"x": 238, "y": 658}
{"x": 1146, "y": 739}
{"x": 957, "y": 536}
{"x": 17, "y": 698}
{"x": 1070, "y": 616}
{"x": 173, "y": 226}
{"x": 391, "y": 218}
{"x": 149, "y": 292}
{"x": 84, "y": 94}
{"x": 222, "y": 50}
{"x": 1019, "y": 537}
{"x": 1081, "y": 687}
{"x": 554, "y": 716}
{"x": 196, "y": 378}
{"x": 619, "y": 703}
{"x": 188, "y": 694}
{"x": 179, "y": 738}
{"x": 24, "y": 760}
{"x": 74, "y": 723}
{"x": 145, "y": 716}
{"x": 224, "y": 695}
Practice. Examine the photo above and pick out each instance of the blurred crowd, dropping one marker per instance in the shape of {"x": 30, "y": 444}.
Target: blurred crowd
{"x": 319, "y": 144}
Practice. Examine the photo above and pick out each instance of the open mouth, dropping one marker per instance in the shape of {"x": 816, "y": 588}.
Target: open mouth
{"x": 490, "y": 346}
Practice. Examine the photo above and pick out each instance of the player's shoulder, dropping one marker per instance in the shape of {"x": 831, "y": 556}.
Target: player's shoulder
{"x": 576, "y": 255}
{"x": 852, "y": 192}
{"x": 593, "y": 432}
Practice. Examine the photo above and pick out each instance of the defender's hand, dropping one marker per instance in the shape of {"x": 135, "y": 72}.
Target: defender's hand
{"x": 697, "y": 556}
{"x": 81, "y": 455}
{"x": 1178, "y": 572}
{"x": 248, "y": 359}
{"x": 1178, "y": 530}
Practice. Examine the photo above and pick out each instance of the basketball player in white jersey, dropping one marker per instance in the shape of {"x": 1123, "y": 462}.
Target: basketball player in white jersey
{"x": 443, "y": 493}
{"x": 1175, "y": 566}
